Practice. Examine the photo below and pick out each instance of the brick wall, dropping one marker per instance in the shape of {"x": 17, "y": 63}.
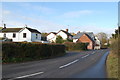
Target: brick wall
{"x": 85, "y": 39}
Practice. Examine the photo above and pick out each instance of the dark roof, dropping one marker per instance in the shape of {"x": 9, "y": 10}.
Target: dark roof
{"x": 33, "y": 30}
{"x": 18, "y": 29}
{"x": 90, "y": 37}
{"x": 89, "y": 34}
{"x": 66, "y": 33}
{"x": 11, "y": 30}
{"x": 53, "y": 33}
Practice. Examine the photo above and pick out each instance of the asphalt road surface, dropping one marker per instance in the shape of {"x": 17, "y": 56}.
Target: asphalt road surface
{"x": 85, "y": 64}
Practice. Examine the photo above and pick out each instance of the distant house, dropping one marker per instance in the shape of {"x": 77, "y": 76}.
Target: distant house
{"x": 85, "y": 37}
{"x": 97, "y": 43}
{"x": 64, "y": 34}
{"x": 21, "y": 34}
{"x": 51, "y": 37}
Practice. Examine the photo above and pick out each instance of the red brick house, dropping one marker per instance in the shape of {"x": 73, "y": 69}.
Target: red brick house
{"x": 85, "y": 37}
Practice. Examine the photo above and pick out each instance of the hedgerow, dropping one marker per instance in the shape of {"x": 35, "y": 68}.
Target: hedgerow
{"x": 18, "y": 52}
{"x": 75, "y": 46}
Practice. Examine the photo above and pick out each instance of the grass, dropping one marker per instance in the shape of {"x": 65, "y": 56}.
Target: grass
{"x": 112, "y": 66}
{"x": 113, "y": 59}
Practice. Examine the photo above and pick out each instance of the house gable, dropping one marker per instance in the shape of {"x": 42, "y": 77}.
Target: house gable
{"x": 85, "y": 38}
{"x": 51, "y": 37}
{"x": 89, "y": 34}
{"x": 67, "y": 33}
{"x": 62, "y": 34}
{"x": 30, "y": 29}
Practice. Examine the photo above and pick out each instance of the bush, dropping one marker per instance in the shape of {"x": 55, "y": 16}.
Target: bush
{"x": 17, "y": 52}
{"x": 115, "y": 48}
{"x": 59, "y": 39}
{"x": 76, "y": 46}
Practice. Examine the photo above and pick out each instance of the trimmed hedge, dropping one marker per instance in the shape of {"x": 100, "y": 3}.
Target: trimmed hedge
{"x": 18, "y": 52}
{"x": 75, "y": 46}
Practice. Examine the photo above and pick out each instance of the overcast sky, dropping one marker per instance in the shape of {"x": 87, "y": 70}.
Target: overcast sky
{"x": 53, "y": 16}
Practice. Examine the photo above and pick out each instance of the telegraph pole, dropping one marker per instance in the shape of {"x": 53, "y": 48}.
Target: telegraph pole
{"x": 118, "y": 29}
{"x": 118, "y": 19}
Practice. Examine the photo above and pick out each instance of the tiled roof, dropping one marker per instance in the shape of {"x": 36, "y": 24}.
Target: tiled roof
{"x": 54, "y": 33}
{"x": 11, "y": 30}
{"x": 89, "y": 34}
{"x": 66, "y": 33}
{"x": 33, "y": 30}
{"x": 6, "y": 30}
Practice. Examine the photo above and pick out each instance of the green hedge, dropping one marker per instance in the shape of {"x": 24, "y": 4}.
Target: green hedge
{"x": 18, "y": 52}
{"x": 75, "y": 46}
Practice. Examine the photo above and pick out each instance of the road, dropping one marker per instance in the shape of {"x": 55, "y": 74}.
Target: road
{"x": 85, "y": 64}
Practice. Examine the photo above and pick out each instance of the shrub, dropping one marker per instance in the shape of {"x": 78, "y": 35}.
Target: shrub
{"x": 115, "y": 48}
{"x": 17, "y": 51}
{"x": 76, "y": 46}
{"x": 59, "y": 39}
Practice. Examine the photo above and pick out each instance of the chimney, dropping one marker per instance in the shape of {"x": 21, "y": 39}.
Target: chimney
{"x": 4, "y": 26}
{"x": 66, "y": 30}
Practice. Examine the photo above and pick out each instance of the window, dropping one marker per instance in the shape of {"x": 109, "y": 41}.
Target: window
{"x": 36, "y": 36}
{"x": 24, "y": 35}
{"x": 4, "y": 34}
{"x": 14, "y": 35}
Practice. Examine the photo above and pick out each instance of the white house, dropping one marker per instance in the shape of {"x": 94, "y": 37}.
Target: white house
{"x": 64, "y": 34}
{"x": 97, "y": 43}
{"x": 51, "y": 37}
{"x": 21, "y": 34}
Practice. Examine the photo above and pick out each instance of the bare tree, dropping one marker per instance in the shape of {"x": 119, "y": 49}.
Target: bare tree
{"x": 103, "y": 38}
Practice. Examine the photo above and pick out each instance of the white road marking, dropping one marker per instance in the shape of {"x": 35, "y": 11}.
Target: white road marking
{"x": 69, "y": 63}
{"x": 85, "y": 56}
{"x": 29, "y": 75}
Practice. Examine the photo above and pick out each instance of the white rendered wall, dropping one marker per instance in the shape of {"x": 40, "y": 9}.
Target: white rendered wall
{"x": 63, "y": 35}
{"x": 28, "y": 35}
{"x": 1, "y": 34}
{"x": 75, "y": 40}
{"x": 51, "y": 37}
{"x": 10, "y": 36}
{"x": 33, "y": 36}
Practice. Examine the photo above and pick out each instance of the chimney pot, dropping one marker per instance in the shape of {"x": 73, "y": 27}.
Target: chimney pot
{"x": 66, "y": 30}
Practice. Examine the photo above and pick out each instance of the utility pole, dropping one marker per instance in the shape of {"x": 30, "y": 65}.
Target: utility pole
{"x": 118, "y": 19}
{"x": 118, "y": 30}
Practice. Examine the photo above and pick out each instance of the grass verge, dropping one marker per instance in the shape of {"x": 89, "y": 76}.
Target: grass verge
{"x": 112, "y": 66}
